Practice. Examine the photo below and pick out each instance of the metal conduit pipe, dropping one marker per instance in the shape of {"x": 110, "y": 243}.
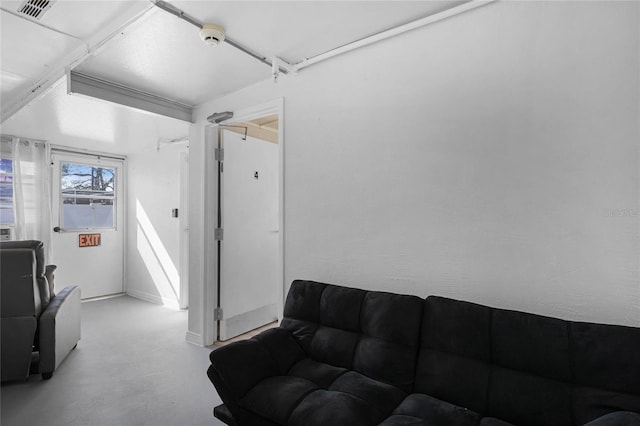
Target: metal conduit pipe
{"x": 374, "y": 38}
{"x": 193, "y": 21}
{"x": 177, "y": 12}
{"x": 279, "y": 65}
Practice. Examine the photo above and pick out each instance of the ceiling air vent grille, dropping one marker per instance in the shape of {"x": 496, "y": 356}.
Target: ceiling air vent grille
{"x": 35, "y": 8}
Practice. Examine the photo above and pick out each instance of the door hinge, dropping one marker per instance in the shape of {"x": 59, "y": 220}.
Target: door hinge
{"x": 217, "y": 314}
{"x": 219, "y": 154}
{"x": 218, "y": 234}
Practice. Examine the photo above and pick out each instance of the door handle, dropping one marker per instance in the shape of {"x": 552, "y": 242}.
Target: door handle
{"x": 57, "y": 229}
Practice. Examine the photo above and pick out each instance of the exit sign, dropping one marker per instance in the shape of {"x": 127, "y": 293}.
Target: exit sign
{"x": 89, "y": 240}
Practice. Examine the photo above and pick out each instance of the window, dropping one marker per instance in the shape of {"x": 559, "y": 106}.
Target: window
{"x": 7, "y": 210}
{"x": 88, "y": 196}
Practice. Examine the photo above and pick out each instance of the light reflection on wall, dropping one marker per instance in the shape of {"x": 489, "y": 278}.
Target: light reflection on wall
{"x": 161, "y": 268}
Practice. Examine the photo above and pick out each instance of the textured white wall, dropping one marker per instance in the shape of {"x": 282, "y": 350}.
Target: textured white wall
{"x": 153, "y": 243}
{"x": 491, "y": 157}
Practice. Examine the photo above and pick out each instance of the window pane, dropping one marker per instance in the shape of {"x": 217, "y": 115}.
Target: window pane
{"x": 82, "y": 213}
{"x": 6, "y": 215}
{"x": 87, "y": 180}
{"x": 6, "y": 190}
{"x": 6, "y": 165}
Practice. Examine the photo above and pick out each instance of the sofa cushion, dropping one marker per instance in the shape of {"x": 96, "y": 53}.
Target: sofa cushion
{"x": 319, "y": 373}
{"x": 531, "y": 369}
{"x": 380, "y": 397}
{"x": 403, "y": 420}
{"x": 595, "y": 345}
{"x": 529, "y": 400}
{"x": 592, "y": 403}
{"x": 601, "y": 385}
{"x": 334, "y": 346}
{"x": 432, "y": 411}
{"x": 324, "y": 407}
{"x": 374, "y": 333}
{"x": 619, "y": 418}
{"x": 531, "y": 343}
{"x": 456, "y": 348}
{"x": 284, "y": 349}
{"x": 275, "y": 397}
{"x": 492, "y": 421}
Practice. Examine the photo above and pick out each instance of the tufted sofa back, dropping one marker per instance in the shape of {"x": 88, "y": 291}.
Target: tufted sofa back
{"x": 527, "y": 369}
{"x": 374, "y": 333}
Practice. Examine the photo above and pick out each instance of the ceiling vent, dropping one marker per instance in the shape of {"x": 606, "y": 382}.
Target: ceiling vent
{"x": 34, "y": 9}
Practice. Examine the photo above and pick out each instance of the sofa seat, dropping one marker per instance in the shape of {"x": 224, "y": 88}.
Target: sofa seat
{"x": 420, "y": 409}
{"x": 312, "y": 387}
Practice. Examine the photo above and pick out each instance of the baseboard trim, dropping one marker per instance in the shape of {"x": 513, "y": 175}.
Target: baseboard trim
{"x": 98, "y": 298}
{"x": 154, "y": 298}
{"x": 194, "y": 338}
{"x": 240, "y": 324}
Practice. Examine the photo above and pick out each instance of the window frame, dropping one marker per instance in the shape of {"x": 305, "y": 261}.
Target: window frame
{"x": 11, "y": 225}
{"x": 113, "y": 197}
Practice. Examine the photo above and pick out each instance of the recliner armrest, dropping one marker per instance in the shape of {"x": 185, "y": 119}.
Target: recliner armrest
{"x": 59, "y": 327}
{"x": 238, "y": 367}
{"x": 619, "y": 418}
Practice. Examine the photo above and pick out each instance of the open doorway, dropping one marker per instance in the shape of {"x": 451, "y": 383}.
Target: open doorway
{"x": 250, "y": 273}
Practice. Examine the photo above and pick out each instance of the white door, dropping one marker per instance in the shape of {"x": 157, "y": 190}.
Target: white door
{"x": 88, "y": 220}
{"x": 249, "y": 260}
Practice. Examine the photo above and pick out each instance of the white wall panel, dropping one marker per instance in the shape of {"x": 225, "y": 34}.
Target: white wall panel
{"x": 154, "y": 235}
{"x": 491, "y": 157}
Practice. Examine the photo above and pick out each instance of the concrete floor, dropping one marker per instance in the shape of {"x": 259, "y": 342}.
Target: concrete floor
{"x": 131, "y": 367}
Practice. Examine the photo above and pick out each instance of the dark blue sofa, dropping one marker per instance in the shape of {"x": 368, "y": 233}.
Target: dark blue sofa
{"x": 344, "y": 356}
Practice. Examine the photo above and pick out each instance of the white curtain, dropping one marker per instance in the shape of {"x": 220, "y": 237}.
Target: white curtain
{"x": 32, "y": 190}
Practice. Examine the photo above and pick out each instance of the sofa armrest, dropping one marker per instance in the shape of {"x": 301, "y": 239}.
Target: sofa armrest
{"x": 619, "y": 418}
{"x": 236, "y": 368}
{"x": 59, "y": 328}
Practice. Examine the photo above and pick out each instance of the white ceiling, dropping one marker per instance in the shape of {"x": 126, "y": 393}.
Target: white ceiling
{"x": 29, "y": 50}
{"x": 163, "y": 55}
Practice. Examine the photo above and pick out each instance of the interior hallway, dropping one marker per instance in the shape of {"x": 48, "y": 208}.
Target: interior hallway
{"x": 131, "y": 367}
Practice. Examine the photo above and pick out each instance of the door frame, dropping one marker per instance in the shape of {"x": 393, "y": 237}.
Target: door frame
{"x": 210, "y": 293}
{"x": 122, "y": 198}
{"x": 183, "y": 217}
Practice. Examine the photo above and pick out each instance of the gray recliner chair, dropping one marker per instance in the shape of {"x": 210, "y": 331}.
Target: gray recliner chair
{"x": 36, "y": 325}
